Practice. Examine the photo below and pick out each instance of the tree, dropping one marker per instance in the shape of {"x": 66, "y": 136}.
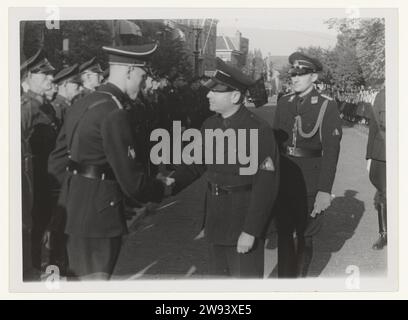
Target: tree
{"x": 371, "y": 50}
{"x": 255, "y": 65}
{"x": 87, "y": 37}
{"x": 363, "y": 40}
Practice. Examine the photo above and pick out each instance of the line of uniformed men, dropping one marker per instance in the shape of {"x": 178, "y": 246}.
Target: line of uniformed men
{"x": 46, "y": 95}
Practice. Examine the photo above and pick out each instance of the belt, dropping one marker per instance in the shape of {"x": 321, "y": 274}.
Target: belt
{"x": 303, "y": 152}
{"x": 217, "y": 189}
{"x": 101, "y": 172}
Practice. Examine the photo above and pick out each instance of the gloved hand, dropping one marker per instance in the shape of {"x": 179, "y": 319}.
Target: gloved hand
{"x": 245, "y": 242}
{"x": 322, "y": 202}
{"x": 46, "y": 239}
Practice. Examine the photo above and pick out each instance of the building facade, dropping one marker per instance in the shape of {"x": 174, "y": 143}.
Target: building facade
{"x": 233, "y": 50}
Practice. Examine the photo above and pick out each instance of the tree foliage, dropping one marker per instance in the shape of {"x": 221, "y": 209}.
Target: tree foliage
{"x": 86, "y": 38}
{"x": 358, "y": 57}
{"x": 361, "y": 43}
{"x": 255, "y": 65}
{"x": 171, "y": 56}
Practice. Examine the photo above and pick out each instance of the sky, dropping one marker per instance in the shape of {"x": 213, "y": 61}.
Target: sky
{"x": 282, "y": 31}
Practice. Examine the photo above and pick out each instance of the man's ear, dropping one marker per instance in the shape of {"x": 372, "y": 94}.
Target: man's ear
{"x": 235, "y": 97}
{"x": 315, "y": 76}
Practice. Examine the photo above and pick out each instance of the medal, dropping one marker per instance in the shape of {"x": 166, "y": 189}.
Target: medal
{"x": 314, "y": 99}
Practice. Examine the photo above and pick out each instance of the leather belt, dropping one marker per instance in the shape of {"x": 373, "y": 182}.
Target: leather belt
{"x": 101, "y": 172}
{"x": 303, "y": 152}
{"x": 217, "y": 189}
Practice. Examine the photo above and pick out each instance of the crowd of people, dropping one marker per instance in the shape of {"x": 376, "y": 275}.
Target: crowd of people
{"x": 46, "y": 96}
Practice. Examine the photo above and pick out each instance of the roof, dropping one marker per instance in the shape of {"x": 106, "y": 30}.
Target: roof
{"x": 225, "y": 43}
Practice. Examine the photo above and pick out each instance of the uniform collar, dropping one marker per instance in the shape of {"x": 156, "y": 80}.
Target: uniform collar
{"x": 307, "y": 92}
{"x": 306, "y": 101}
{"x": 234, "y": 118}
{"x": 35, "y": 96}
{"x": 113, "y": 89}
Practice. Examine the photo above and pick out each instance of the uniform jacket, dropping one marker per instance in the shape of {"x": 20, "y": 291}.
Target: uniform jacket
{"x": 61, "y": 106}
{"x": 376, "y": 136}
{"x": 227, "y": 215}
{"x": 96, "y": 131}
{"x": 318, "y": 173}
{"x": 30, "y": 106}
{"x": 39, "y": 132}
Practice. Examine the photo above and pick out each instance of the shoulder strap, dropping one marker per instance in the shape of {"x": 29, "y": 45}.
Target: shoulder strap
{"x": 114, "y": 99}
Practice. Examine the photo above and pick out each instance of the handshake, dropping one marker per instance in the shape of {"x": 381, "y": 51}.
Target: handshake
{"x": 166, "y": 180}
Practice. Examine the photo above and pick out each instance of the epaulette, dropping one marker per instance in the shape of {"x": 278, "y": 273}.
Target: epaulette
{"x": 327, "y": 97}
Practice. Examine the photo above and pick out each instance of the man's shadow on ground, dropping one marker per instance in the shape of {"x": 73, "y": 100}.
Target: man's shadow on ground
{"x": 340, "y": 223}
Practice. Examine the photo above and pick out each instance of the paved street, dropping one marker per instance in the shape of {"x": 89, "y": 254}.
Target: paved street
{"x": 163, "y": 246}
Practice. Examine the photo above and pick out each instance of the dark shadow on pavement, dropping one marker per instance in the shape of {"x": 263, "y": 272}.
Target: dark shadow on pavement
{"x": 341, "y": 221}
{"x": 163, "y": 244}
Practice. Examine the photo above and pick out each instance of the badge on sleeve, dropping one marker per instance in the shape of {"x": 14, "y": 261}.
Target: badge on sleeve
{"x": 267, "y": 165}
{"x": 336, "y": 132}
{"x": 131, "y": 152}
{"x": 314, "y": 99}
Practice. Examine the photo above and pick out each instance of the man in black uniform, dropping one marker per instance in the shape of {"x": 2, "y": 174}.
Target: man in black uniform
{"x": 38, "y": 125}
{"x": 308, "y": 130}
{"x": 97, "y": 148}
{"x": 238, "y": 206}
{"x": 378, "y": 174}
{"x": 91, "y": 75}
{"x": 68, "y": 84}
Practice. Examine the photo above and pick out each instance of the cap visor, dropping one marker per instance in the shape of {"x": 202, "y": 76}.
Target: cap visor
{"x": 299, "y": 72}
{"x": 215, "y": 85}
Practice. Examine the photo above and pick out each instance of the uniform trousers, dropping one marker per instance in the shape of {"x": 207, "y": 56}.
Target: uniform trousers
{"x": 225, "y": 261}
{"x": 295, "y": 226}
{"x": 92, "y": 258}
{"x": 378, "y": 177}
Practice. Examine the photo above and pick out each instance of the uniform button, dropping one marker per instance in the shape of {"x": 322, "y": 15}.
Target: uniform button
{"x": 75, "y": 172}
{"x": 112, "y": 203}
{"x": 69, "y": 156}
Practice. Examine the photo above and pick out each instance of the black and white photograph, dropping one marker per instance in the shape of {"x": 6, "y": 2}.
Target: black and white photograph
{"x": 239, "y": 147}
